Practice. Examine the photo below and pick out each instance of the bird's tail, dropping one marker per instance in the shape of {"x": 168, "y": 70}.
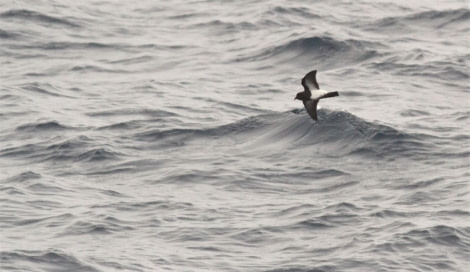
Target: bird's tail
{"x": 330, "y": 94}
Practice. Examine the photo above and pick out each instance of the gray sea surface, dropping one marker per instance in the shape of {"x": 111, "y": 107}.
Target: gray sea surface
{"x": 163, "y": 136}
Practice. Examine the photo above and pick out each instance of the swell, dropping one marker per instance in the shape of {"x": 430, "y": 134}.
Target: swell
{"x": 77, "y": 149}
{"x": 449, "y": 71}
{"x": 99, "y": 46}
{"x": 4, "y": 34}
{"x": 33, "y": 16}
{"x": 50, "y": 260}
{"x": 433, "y": 19}
{"x": 337, "y": 133}
{"x": 45, "y": 89}
{"x": 439, "y": 235}
{"x": 40, "y": 127}
{"x": 324, "y": 50}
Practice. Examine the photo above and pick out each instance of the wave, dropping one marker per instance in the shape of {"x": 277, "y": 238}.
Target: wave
{"x": 325, "y": 51}
{"x": 440, "y": 235}
{"x": 272, "y": 16}
{"x": 28, "y": 175}
{"x": 225, "y": 27}
{"x": 319, "y": 268}
{"x": 109, "y": 226}
{"x": 45, "y": 89}
{"x": 445, "y": 70}
{"x": 338, "y": 133}
{"x": 132, "y": 111}
{"x": 29, "y": 15}
{"x": 97, "y": 154}
{"x": 77, "y": 149}
{"x": 57, "y": 45}
{"x": 40, "y": 127}
{"x": 7, "y": 34}
{"x": 80, "y": 149}
{"x": 430, "y": 19}
{"x": 97, "y": 69}
{"x": 48, "y": 260}
{"x": 293, "y": 11}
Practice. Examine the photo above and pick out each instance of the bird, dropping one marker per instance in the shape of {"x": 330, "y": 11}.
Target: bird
{"x": 312, "y": 94}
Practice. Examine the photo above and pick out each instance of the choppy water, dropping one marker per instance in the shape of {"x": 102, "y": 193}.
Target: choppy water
{"x": 163, "y": 136}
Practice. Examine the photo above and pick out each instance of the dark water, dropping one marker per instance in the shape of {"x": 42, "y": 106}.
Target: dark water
{"x": 163, "y": 136}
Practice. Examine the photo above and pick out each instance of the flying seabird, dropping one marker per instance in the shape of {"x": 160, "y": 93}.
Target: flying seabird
{"x": 312, "y": 93}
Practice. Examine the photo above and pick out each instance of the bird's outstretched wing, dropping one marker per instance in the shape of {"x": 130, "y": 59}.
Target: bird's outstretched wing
{"x": 311, "y": 107}
{"x": 310, "y": 81}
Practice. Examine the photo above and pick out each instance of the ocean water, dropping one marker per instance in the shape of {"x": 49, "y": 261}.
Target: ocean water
{"x": 163, "y": 136}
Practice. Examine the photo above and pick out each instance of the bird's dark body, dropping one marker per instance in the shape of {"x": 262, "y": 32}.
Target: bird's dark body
{"x": 312, "y": 94}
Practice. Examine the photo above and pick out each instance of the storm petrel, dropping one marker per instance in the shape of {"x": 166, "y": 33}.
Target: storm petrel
{"x": 312, "y": 94}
